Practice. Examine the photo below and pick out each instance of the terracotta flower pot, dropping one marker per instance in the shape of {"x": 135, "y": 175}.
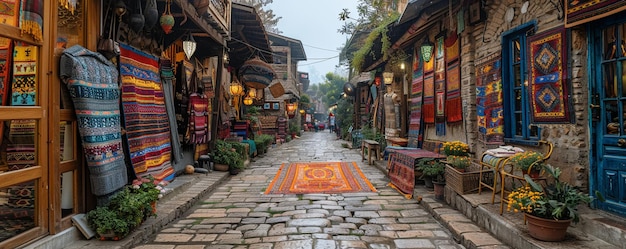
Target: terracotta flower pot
{"x": 220, "y": 167}
{"x": 547, "y": 229}
{"x": 439, "y": 189}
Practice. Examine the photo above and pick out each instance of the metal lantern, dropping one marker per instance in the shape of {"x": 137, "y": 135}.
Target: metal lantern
{"x": 247, "y": 101}
{"x": 427, "y": 49}
{"x": 189, "y": 46}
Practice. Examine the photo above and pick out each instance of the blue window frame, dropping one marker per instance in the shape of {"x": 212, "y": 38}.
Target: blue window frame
{"x": 516, "y": 93}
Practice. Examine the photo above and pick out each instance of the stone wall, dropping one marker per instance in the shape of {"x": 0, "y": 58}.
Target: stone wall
{"x": 570, "y": 140}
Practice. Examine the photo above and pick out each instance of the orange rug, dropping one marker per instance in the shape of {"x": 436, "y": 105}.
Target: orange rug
{"x": 319, "y": 177}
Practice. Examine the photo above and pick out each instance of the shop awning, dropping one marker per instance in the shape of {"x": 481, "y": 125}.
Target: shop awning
{"x": 364, "y": 77}
{"x": 211, "y": 38}
{"x": 249, "y": 38}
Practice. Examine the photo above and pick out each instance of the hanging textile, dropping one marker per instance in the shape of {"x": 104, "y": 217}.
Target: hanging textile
{"x": 454, "y": 105}
{"x": 92, "y": 82}
{"x": 489, "y": 105}
{"x": 548, "y": 77}
{"x": 428, "y": 107}
{"x": 24, "y": 85}
{"x": 145, "y": 116}
{"x": 415, "y": 108}
{"x": 69, "y": 5}
{"x": 579, "y": 12}
{"x": 167, "y": 77}
{"x": 183, "y": 78}
{"x": 198, "y": 118}
{"x": 31, "y": 18}
{"x": 440, "y": 87}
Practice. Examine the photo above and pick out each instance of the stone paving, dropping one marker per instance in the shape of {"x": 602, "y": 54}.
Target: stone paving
{"x": 237, "y": 214}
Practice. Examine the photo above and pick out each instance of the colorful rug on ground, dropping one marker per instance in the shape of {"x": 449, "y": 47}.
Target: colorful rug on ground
{"x": 319, "y": 178}
{"x": 548, "y": 77}
{"x": 402, "y": 169}
{"x": 145, "y": 115}
{"x": 489, "y": 105}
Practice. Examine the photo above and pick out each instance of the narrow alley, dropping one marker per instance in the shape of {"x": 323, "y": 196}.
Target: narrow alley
{"x": 239, "y": 215}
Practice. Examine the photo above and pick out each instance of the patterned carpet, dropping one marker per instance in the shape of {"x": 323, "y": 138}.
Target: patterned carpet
{"x": 319, "y": 177}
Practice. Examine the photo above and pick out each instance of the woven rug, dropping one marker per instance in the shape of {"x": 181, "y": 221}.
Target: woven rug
{"x": 548, "y": 77}
{"x": 145, "y": 115}
{"x": 92, "y": 82}
{"x": 489, "y": 105}
{"x": 417, "y": 88}
{"x": 319, "y": 177}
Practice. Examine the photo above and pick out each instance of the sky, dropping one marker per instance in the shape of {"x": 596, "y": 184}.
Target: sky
{"x": 315, "y": 24}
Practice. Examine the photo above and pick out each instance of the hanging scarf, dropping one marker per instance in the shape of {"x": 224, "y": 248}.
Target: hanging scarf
{"x": 31, "y": 18}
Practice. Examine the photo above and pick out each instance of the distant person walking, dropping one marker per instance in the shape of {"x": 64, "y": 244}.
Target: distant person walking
{"x": 331, "y": 122}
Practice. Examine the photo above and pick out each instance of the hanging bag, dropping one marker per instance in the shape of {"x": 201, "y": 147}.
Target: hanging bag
{"x": 107, "y": 46}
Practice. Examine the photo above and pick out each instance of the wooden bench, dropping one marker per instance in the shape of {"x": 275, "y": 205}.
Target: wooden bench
{"x": 372, "y": 147}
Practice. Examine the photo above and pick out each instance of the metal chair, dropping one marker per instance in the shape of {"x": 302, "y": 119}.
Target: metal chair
{"x": 509, "y": 171}
{"x": 492, "y": 165}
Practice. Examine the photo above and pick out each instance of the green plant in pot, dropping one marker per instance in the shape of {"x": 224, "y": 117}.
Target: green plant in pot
{"x": 432, "y": 170}
{"x": 225, "y": 154}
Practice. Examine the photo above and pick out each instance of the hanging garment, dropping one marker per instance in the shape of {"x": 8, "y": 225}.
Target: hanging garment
{"x": 183, "y": 77}
{"x": 92, "y": 81}
{"x": 198, "y": 118}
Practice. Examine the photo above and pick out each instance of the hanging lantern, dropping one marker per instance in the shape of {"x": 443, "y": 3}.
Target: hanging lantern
{"x": 167, "y": 19}
{"x": 348, "y": 89}
{"x": 189, "y": 46}
{"x": 255, "y": 73}
{"x": 388, "y": 78}
{"x": 252, "y": 93}
{"x": 235, "y": 88}
{"x": 247, "y": 101}
{"x": 427, "y": 49}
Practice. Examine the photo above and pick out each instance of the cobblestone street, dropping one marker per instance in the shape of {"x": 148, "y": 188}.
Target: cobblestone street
{"x": 239, "y": 215}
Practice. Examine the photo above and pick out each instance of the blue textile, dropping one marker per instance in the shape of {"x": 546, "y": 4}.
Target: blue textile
{"x": 252, "y": 146}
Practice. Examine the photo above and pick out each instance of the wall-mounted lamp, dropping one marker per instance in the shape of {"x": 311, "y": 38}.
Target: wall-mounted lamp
{"x": 427, "y": 49}
{"x": 302, "y": 111}
{"x": 402, "y": 65}
{"x": 189, "y": 46}
{"x": 388, "y": 78}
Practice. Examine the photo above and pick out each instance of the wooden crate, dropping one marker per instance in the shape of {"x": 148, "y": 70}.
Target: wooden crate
{"x": 468, "y": 181}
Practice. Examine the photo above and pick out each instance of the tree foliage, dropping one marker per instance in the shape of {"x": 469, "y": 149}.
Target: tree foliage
{"x": 332, "y": 88}
{"x": 370, "y": 14}
{"x": 270, "y": 20}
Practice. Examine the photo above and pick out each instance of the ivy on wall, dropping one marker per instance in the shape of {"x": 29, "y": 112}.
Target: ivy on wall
{"x": 381, "y": 31}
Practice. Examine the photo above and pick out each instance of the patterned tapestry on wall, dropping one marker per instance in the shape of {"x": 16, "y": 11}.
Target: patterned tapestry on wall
{"x": 454, "y": 105}
{"x": 428, "y": 106}
{"x": 489, "y": 103}
{"x": 548, "y": 77}
{"x": 9, "y": 12}
{"x": 440, "y": 87}
{"x": 24, "y": 88}
{"x": 145, "y": 116}
{"x": 578, "y": 12}
{"x": 415, "y": 108}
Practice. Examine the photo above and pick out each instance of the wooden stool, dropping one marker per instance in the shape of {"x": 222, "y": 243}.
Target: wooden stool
{"x": 372, "y": 147}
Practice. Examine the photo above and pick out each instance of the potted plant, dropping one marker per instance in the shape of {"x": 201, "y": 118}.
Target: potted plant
{"x": 127, "y": 209}
{"x": 432, "y": 170}
{"x": 226, "y": 157}
{"x": 455, "y": 148}
{"x": 529, "y": 162}
{"x": 460, "y": 163}
{"x": 548, "y": 210}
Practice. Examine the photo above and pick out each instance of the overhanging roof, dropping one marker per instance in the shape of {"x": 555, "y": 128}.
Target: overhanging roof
{"x": 297, "y": 50}
{"x": 248, "y": 36}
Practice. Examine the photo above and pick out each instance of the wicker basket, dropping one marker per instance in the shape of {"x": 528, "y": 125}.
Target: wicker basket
{"x": 277, "y": 90}
{"x": 466, "y": 182}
